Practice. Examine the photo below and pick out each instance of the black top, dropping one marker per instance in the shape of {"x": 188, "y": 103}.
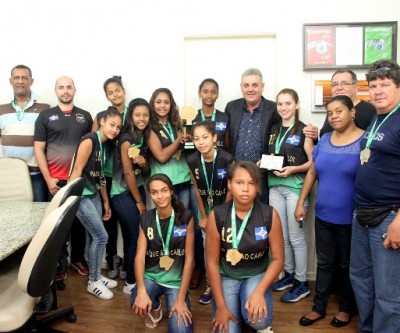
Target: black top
{"x": 62, "y": 133}
{"x": 292, "y": 147}
{"x": 221, "y": 126}
{"x": 92, "y": 170}
{"x": 254, "y": 244}
{"x": 220, "y": 177}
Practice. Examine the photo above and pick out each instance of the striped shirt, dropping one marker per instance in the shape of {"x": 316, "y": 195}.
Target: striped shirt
{"x": 17, "y": 135}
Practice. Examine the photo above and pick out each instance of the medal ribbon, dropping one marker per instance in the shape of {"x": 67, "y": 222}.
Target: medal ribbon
{"x": 373, "y": 131}
{"x": 203, "y": 116}
{"x": 169, "y": 231}
{"x": 124, "y": 115}
{"x": 209, "y": 185}
{"x": 278, "y": 142}
{"x": 20, "y": 110}
{"x": 138, "y": 145}
{"x": 169, "y": 130}
{"x": 102, "y": 154}
{"x": 237, "y": 237}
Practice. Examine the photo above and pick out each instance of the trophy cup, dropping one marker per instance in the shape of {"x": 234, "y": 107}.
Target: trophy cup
{"x": 188, "y": 113}
{"x": 187, "y": 129}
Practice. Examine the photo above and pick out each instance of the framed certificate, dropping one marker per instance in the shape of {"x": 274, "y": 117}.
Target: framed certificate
{"x": 348, "y": 45}
{"x": 271, "y": 162}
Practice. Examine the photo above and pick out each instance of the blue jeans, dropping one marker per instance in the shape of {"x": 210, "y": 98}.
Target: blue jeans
{"x": 154, "y": 290}
{"x": 375, "y": 276}
{"x": 331, "y": 239}
{"x": 284, "y": 201}
{"x": 236, "y": 293}
{"x": 183, "y": 192}
{"x": 128, "y": 215}
{"x": 39, "y": 188}
{"x": 89, "y": 213}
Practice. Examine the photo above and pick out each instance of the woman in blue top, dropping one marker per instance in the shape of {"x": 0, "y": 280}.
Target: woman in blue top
{"x": 89, "y": 162}
{"x": 335, "y": 161}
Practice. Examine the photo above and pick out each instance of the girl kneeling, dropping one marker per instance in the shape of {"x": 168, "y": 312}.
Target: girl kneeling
{"x": 164, "y": 259}
{"x": 240, "y": 234}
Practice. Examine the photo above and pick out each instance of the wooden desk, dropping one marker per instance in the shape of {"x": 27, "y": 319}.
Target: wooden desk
{"x": 19, "y": 222}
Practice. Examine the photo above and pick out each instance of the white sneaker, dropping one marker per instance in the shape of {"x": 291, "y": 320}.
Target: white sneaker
{"x": 266, "y": 330}
{"x": 98, "y": 289}
{"x": 128, "y": 287}
{"x": 108, "y": 282}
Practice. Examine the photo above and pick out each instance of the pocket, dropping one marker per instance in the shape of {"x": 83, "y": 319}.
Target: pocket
{"x": 371, "y": 217}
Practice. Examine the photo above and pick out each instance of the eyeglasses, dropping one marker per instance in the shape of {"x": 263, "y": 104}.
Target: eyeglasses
{"x": 341, "y": 84}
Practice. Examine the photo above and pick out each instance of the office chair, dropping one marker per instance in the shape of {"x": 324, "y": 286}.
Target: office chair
{"x": 74, "y": 187}
{"x": 15, "y": 181}
{"x": 21, "y": 288}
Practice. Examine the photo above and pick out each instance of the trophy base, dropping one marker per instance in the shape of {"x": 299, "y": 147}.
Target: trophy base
{"x": 189, "y": 145}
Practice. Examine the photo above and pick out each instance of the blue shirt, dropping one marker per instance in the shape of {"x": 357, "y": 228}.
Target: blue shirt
{"x": 336, "y": 168}
{"x": 248, "y": 146}
{"x": 378, "y": 180}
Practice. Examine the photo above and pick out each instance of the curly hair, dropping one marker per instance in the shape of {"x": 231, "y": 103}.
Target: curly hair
{"x": 173, "y": 115}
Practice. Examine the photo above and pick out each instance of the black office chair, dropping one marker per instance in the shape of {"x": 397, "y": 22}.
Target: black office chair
{"x": 21, "y": 288}
{"x": 74, "y": 187}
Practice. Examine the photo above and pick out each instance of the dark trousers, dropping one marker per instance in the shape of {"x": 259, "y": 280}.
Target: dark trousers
{"x": 128, "y": 214}
{"x": 332, "y": 240}
{"x": 111, "y": 227}
{"x": 198, "y": 236}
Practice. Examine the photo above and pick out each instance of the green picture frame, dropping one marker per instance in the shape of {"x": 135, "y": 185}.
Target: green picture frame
{"x": 348, "y": 45}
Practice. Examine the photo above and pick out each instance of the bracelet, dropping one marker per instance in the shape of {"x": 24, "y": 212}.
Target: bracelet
{"x": 138, "y": 202}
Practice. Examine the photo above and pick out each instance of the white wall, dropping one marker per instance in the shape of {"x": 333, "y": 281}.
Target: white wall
{"x": 144, "y": 41}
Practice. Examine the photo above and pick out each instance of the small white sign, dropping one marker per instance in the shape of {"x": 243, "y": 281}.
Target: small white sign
{"x": 271, "y": 162}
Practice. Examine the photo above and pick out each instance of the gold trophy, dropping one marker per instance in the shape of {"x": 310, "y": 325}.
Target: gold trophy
{"x": 187, "y": 129}
{"x": 187, "y": 113}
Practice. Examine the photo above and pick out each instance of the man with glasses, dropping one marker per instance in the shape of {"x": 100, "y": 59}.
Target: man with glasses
{"x": 17, "y": 124}
{"x": 344, "y": 82}
{"x": 375, "y": 243}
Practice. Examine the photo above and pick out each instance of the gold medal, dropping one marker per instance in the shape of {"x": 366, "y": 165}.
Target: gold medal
{"x": 133, "y": 152}
{"x": 166, "y": 262}
{"x": 364, "y": 155}
{"x": 233, "y": 256}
